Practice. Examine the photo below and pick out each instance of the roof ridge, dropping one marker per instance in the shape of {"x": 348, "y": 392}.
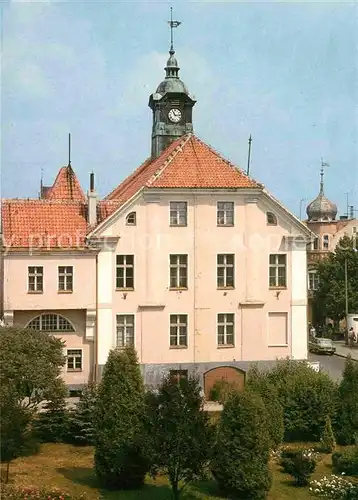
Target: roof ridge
{"x": 170, "y": 158}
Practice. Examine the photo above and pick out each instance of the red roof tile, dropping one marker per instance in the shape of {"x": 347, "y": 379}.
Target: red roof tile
{"x": 65, "y": 187}
{"x": 43, "y": 224}
{"x": 186, "y": 163}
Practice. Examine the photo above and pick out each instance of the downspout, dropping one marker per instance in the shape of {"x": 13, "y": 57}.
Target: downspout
{"x": 96, "y": 329}
{"x": 2, "y": 278}
{"x": 195, "y": 280}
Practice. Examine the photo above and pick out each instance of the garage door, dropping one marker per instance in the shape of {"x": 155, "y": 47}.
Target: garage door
{"x": 228, "y": 373}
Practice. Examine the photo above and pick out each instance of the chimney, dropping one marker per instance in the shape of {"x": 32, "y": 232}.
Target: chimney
{"x": 92, "y": 202}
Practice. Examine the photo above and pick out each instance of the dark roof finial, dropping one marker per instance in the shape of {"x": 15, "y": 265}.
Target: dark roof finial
{"x": 323, "y": 164}
{"x": 172, "y": 24}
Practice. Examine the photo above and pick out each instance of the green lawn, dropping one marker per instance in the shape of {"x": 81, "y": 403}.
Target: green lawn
{"x": 71, "y": 469}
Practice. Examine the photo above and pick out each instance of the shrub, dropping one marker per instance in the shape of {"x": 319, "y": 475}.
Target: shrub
{"x": 306, "y": 396}
{"x": 300, "y": 464}
{"x": 241, "y": 452}
{"x": 259, "y": 383}
{"x": 334, "y": 488}
{"x": 328, "y": 443}
{"x": 11, "y": 492}
{"x": 221, "y": 390}
{"x": 178, "y": 432}
{"x": 52, "y": 424}
{"x": 82, "y": 430}
{"x": 346, "y": 461}
{"x": 347, "y": 424}
{"x": 119, "y": 423}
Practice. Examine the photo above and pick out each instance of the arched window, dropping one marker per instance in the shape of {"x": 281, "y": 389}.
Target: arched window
{"x": 50, "y": 322}
{"x": 326, "y": 242}
{"x": 271, "y": 219}
{"x": 131, "y": 219}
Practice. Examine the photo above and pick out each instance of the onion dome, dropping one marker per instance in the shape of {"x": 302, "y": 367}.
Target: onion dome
{"x": 321, "y": 208}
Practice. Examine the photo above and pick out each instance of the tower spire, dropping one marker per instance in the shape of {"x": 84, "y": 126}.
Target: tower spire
{"x": 172, "y": 24}
{"x": 323, "y": 164}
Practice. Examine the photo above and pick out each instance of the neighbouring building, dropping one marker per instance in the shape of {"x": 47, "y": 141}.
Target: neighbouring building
{"x": 322, "y": 213}
{"x": 189, "y": 259}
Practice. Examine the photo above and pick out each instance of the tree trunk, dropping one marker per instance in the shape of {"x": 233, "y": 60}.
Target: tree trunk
{"x": 176, "y": 492}
{"x": 7, "y": 472}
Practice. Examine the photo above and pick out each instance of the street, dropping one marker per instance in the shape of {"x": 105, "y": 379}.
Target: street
{"x": 333, "y": 365}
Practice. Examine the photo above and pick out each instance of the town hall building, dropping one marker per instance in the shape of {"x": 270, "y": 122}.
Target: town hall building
{"x": 189, "y": 259}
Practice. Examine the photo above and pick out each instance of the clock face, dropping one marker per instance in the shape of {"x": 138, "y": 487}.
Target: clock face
{"x": 174, "y": 115}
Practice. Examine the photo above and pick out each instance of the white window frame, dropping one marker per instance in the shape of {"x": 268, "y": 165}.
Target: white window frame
{"x": 315, "y": 280}
{"x": 65, "y": 275}
{"x": 178, "y": 213}
{"x": 58, "y": 317}
{"x": 178, "y": 324}
{"x": 124, "y": 266}
{"x": 225, "y": 266}
{"x": 132, "y": 215}
{"x": 225, "y": 323}
{"x": 124, "y": 333}
{"x": 35, "y": 275}
{"x": 225, "y": 213}
{"x": 177, "y": 266}
{"x": 277, "y": 266}
{"x": 71, "y": 370}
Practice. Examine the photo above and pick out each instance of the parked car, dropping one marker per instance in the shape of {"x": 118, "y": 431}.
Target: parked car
{"x": 321, "y": 345}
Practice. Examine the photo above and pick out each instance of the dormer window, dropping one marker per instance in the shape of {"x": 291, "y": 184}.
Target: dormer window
{"x": 271, "y": 219}
{"x": 131, "y": 219}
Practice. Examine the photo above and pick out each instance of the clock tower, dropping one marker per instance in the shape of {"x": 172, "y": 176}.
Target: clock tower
{"x": 171, "y": 106}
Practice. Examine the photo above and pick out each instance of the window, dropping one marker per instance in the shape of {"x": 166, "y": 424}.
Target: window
{"x": 225, "y": 213}
{"x": 277, "y": 329}
{"x": 125, "y": 330}
{"x": 178, "y": 375}
{"x": 74, "y": 360}
{"x": 178, "y": 271}
{"x": 313, "y": 279}
{"x": 131, "y": 219}
{"x": 178, "y": 330}
{"x": 325, "y": 242}
{"x": 178, "y": 213}
{"x": 36, "y": 279}
{"x": 125, "y": 272}
{"x": 65, "y": 278}
{"x": 271, "y": 219}
{"x": 314, "y": 244}
{"x": 226, "y": 326}
{"x": 278, "y": 270}
{"x": 51, "y": 323}
{"x": 225, "y": 270}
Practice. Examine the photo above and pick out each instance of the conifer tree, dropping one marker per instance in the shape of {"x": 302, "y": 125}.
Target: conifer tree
{"x": 328, "y": 441}
{"x": 52, "y": 424}
{"x": 119, "y": 423}
{"x": 347, "y": 414}
{"x": 82, "y": 429}
{"x": 241, "y": 455}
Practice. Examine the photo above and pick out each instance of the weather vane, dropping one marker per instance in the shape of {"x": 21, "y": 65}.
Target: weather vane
{"x": 172, "y": 24}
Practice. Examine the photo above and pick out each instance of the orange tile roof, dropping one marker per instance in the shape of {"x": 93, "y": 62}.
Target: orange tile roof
{"x": 187, "y": 163}
{"x": 65, "y": 187}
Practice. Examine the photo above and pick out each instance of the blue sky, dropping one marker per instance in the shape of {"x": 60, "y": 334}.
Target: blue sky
{"x": 285, "y": 72}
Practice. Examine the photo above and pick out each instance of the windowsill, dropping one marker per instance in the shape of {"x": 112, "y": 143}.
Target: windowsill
{"x": 124, "y": 289}
{"x": 178, "y": 347}
{"x": 275, "y": 225}
{"x": 278, "y": 287}
{"x": 34, "y": 292}
{"x": 178, "y": 225}
{"x": 178, "y": 289}
{"x": 65, "y": 291}
{"x": 225, "y": 225}
{"x": 225, "y": 288}
{"x": 71, "y": 370}
{"x": 278, "y": 345}
{"x": 226, "y": 346}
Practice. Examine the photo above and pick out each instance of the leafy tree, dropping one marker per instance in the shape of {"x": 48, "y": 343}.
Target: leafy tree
{"x": 306, "y": 396}
{"x": 329, "y": 298}
{"x": 52, "y": 424}
{"x": 82, "y": 429}
{"x": 327, "y": 440}
{"x": 178, "y": 431}
{"x": 241, "y": 454}
{"x": 16, "y": 438}
{"x": 30, "y": 362}
{"x": 347, "y": 423}
{"x": 259, "y": 383}
{"x": 119, "y": 423}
